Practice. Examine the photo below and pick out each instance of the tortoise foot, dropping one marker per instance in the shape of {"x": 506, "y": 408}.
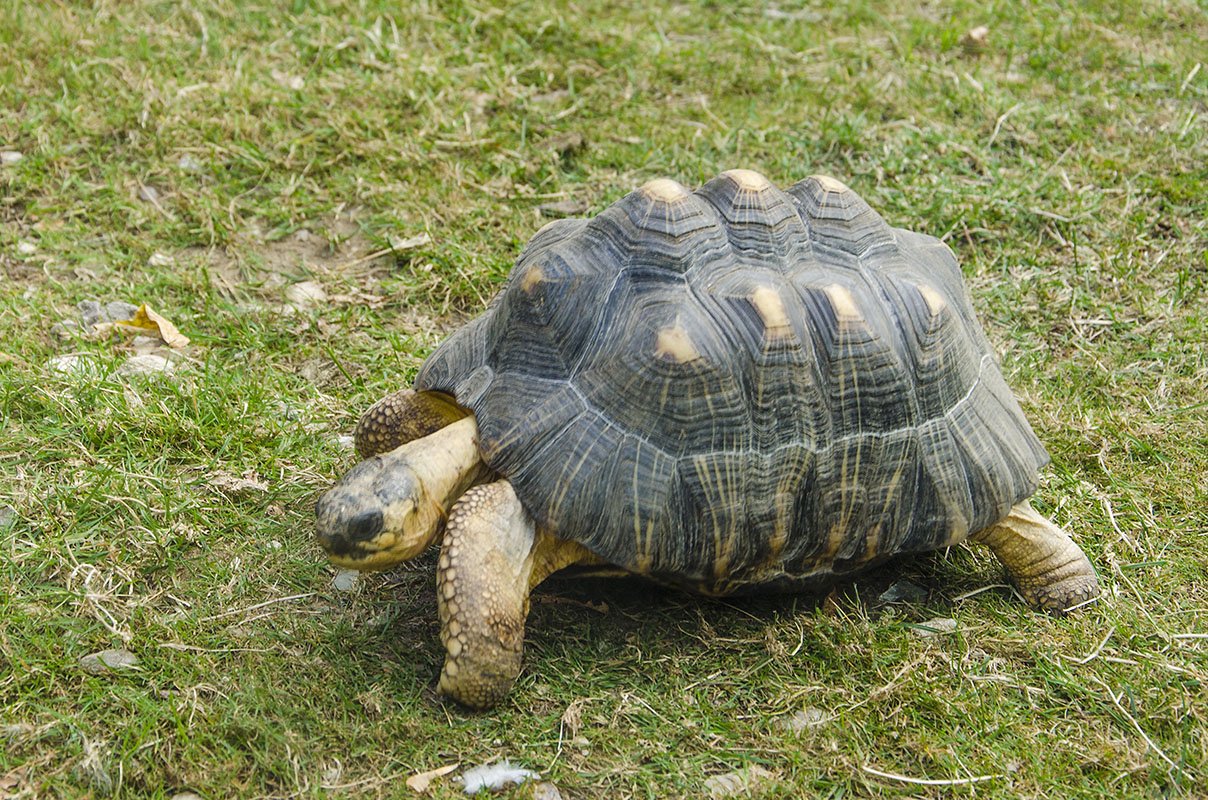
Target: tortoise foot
{"x": 1050, "y": 570}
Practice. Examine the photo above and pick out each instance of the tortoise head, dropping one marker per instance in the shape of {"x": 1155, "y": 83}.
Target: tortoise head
{"x": 391, "y": 506}
{"x": 375, "y": 516}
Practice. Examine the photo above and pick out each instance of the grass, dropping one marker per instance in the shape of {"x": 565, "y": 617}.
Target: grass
{"x": 282, "y": 142}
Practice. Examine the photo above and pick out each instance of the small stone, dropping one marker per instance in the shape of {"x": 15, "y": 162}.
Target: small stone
{"x": 288, "y": 81}
{"x": 66, "y": 329}
{"x": 306, "y": 294}
{"x": 904, "y": 592}
{"x": 8, "y": 517}
{"x": 10, "y": 157}
{"x": 133, "y": 400}
{"x": 160, "y": 260}
{"x": 146, "y": 364}
{"x": 146, "y": 344}
{"x": 934, "y": 627}
{"x": 546, "y": 791}
{"x": 346, "y": 580}
{"x": 286, "y": 411}
{"x": 186, "y": 796}
{"x": 346, "y": 442}
{"x": 975, "y": 39}
{"x": 753, "y": 781}
{"x": 91, "y": 313}
{"x": 148, "y": 193}
{"x": 74, "y": 364}
{"x": 188, "y": 163}
{"x": 26, "y": 248}
{"x": 566, "y": 144}
{"x": 107, "y": 661}
{"x": 119, "y": 310}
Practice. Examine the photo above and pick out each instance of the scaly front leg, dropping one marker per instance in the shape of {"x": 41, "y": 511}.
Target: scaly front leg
{"x": 491, "y": 558}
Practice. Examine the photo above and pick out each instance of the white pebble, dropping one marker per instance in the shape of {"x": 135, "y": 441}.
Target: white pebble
{"x": 346, "y": 580}
{"x": 306, "y": 294}
{"x": 74, "y": 364}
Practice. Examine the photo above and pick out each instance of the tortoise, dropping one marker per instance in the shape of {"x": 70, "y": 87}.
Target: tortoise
{"x": 736, "y": 389}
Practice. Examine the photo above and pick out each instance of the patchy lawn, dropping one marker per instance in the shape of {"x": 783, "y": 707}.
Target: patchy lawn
{"x": 316, "y": 193}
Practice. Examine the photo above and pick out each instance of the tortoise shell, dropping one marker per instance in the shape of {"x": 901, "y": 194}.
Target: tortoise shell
{"x": 741, "y": 387}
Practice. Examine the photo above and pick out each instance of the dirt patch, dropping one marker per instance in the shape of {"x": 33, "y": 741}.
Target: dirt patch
{"x": 331, "y": 247}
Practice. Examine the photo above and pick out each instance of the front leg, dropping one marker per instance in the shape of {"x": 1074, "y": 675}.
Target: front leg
{"x": 491, "y": 558}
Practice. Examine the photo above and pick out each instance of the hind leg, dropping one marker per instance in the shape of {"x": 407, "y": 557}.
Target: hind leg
{"x": 1052, "y": 573}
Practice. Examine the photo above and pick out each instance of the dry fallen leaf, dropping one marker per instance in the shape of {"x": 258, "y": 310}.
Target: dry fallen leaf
{"x": 410, "y": 243}
{"x": 358, "y": 298}
{"x": 14, "y": 783}
{"x": 420, "y": 781}
{"x": 305, "y": 294}
{"x": 146, "y": 321}
{"x": 563, "y": 208}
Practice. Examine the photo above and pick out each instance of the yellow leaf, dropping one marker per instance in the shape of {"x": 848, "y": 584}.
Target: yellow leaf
{"x": 147, "y": 321}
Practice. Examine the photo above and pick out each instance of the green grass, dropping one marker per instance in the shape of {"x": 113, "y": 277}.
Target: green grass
{"x": 1065, "y": 164}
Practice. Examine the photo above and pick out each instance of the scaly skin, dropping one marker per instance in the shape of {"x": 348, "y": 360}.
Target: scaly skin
{"x": 491, "y": 559}
{"x": 1052, "y": 573}
{"x": 403, "y": 417}
{"x": 389, "y": 508}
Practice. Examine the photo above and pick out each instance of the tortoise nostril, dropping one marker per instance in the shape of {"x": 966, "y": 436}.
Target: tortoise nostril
{"x": 365, "y": 525}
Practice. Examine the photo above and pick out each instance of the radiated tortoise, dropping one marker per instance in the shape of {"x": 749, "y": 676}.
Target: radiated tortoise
{"x": 734, "y": 389}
